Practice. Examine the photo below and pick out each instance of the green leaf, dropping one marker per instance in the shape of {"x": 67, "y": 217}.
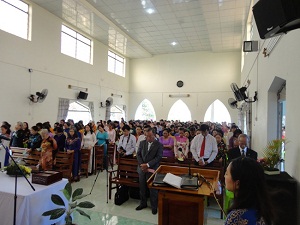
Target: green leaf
{"x": 76, "y": 193}
{"x": 79, "y": 197}
{"x": 54, "y": 213}
{"x": 56, "y": 199}
{"x": 83, "y": 213}
{"x": 58, "y": 213}
{"x": 86, "y": 205}
{"x": 48, "y": 213}
{"x": 67, "y": 191}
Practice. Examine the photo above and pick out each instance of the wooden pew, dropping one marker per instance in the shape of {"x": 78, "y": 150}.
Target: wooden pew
{"x": 125, "y": 174}
{"x": 99, "y": 156}
{"x": 64, "y": 164}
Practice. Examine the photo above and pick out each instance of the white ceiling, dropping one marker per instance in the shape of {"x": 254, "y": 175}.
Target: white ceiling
{"x": 127, "y": 26}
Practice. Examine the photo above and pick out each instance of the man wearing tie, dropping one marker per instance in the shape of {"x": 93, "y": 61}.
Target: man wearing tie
{"x": 149, "y": 155}
{"x": 204, "y": 147}
{"x": 242, "y": 150}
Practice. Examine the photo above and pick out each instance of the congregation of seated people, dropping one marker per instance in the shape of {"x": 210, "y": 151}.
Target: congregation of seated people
{"x": 201, "y": 142}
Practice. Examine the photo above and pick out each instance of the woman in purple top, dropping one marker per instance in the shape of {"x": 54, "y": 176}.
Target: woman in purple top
{"x": 168, "y": 144}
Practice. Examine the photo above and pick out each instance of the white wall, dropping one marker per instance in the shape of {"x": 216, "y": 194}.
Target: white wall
{"x": 283, "y": 62}
{"x": 51, "y": 70}
{"x": 207, "y": 76}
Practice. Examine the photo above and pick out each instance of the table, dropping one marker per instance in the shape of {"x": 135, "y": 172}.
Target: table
{"x": 30, "y": 204}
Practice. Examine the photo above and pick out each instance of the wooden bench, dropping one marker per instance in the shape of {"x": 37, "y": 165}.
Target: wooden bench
{"x": 99, "y": 156}
{"x": 125, "y": 174}
{"x": 31, "y": 159}
{"x": 85, "y": 161}
{"x": 64, "y": 164}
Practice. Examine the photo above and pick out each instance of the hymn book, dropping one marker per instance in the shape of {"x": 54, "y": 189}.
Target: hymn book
{"x": 184, "y": 182}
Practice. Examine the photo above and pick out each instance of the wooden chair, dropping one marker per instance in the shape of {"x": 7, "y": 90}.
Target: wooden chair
{"x": 85, "y": 161}
{"x": 99, "y": 156}
{"x": 64, "y": 164}
{"x": 111, "y": 154}
{"x": 33, "y": 158}
{"x": 126, "y": 174}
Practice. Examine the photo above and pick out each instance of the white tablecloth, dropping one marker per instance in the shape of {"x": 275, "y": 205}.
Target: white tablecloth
{"x": 30, "y": 204}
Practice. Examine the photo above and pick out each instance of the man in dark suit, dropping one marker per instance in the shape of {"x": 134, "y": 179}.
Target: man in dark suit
{"x": 149, "y": 155}
{"x": 242, "y": 150}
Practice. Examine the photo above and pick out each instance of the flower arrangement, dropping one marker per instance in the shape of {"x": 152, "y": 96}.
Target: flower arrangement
{"x": 12, "y": 169}
{"x": 72, "y": 206}
{"x": 272, "y": 154}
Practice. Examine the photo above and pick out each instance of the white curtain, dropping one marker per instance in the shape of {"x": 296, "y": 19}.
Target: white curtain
{"x": 63, "y": 107}
{"x": 91, "y": 106}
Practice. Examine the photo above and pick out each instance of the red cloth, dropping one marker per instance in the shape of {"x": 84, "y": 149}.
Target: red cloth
{"x": 202, "y": 148}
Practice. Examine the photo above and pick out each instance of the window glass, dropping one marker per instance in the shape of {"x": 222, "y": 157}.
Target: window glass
{"x": 14, "y": 17}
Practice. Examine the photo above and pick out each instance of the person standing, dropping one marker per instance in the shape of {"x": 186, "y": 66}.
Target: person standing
{"x": 34, "y": 140}
{"x": 48, "y": 145}
{"x": 181, "y": 144}
{"x": 4, "y": 156}
{"x": 88, "y": 142}
{"x": 242, "y": 149}
{"x": 168, "y": 144}
{"x": 73, "y": 144}
{"x": 127, "y": 143}
{"x": 17, "y": 136}
{"x": 149, "y": 155}
{"x": 204, "y": 147}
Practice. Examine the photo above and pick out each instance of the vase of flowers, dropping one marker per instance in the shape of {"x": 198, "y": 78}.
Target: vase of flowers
{"x": 272, "y": 156}
{"x": 73, "y": 204}
{"x": 13, "y": 170}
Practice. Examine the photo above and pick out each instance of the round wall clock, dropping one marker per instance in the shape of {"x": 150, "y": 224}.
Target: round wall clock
{"x": 179, "y": 83}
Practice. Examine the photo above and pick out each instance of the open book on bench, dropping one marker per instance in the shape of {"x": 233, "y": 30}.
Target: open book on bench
{"x": 183, "y": 181}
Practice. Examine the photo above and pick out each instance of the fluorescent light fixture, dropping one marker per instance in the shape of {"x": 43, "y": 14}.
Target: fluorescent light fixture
{"x": 179, "y": 95}
{"x": 174, "y": 43}
{"x": 77, "y": 88}
{"x": 116, "y": 95}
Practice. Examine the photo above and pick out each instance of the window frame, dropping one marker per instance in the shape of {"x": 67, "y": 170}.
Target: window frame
{"x": 79, "y": 39}
{"x": 28, "y": 15}
{"x": 116, "y": 62}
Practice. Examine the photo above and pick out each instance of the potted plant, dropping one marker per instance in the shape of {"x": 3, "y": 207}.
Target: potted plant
{"x": 72, "y": 206}
{"x": 272, "y": 156}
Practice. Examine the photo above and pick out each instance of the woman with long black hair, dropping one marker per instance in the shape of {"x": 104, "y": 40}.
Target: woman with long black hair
{"x": 252, "y": 204}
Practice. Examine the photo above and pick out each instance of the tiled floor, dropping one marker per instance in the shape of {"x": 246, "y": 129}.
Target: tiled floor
{"x": 111, "y": 214}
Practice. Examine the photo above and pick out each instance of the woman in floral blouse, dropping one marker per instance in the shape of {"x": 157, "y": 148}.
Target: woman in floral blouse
{"x": 48, "y": 145}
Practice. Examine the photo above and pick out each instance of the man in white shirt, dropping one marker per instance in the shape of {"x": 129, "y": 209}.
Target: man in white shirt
{"x": 204, "y": 147}
{"x": 127, "y": 142}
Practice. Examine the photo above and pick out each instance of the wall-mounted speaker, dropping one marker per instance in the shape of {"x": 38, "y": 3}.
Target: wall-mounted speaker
{"x": 82, "y": 95}
{"x": 275, "y": 17}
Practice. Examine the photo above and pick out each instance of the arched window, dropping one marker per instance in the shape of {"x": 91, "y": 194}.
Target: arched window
{"x": 179, "y": 111}
{"x": 145, "y": 111}
{"x": 116, "y": 113}
{"x": 78, "y": 111}
{"x": 217, "y": 112}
